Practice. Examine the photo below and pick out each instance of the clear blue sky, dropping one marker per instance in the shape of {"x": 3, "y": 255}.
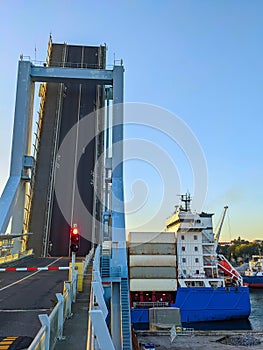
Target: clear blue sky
{"x": 202, "y": 60}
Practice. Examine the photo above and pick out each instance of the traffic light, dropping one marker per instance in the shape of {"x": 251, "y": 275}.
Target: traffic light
{"x": 74, "y": 238}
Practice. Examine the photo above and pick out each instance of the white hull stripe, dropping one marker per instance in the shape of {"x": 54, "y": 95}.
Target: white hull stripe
{"x": 47, "y": 268}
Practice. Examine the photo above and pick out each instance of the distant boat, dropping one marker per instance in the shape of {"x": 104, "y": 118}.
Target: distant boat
{"x": 253, "y": 276}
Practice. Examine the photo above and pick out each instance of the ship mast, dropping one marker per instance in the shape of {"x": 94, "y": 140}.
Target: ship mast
{"x": 186, "y": 199}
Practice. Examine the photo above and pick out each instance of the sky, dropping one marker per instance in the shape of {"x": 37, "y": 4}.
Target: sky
{"x": 199, "y": 60}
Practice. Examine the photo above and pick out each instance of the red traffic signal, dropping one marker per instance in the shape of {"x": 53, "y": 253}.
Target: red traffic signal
{"x": 74, "y": 238}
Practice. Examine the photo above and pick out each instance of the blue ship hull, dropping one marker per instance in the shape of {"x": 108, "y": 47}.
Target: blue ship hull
{"x": 253, "y": 281}
{"x": 202, "y": 304}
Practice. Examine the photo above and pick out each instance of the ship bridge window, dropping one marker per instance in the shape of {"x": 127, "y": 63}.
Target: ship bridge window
{"x": 196, "y": 260}
{"x": 196, "y": 249}
{"x": 183, "y": 248}
{"x": 195, "y": 237}
{"x": 198, "y": 221}
{"x": 183, "y": 260}
{"x": 182, "y": 237}
{"x": 197, "y": 272}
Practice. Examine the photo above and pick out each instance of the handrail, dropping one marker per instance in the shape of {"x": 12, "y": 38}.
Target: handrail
{"x": 52, "y": 325}
{"x": 98, "y": 331}
{"x": 39, "y": 340}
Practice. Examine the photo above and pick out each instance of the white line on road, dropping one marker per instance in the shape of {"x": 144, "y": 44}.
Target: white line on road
{"x": 26, "y": 277}
{"x": 30, "y": 310}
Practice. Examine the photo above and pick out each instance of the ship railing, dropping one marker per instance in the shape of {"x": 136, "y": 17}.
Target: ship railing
{"x": 138, "y": 304}
{"x": 198, "y": 276}
{"x": 207, "y": 237}
{"x": 208, "y": 249}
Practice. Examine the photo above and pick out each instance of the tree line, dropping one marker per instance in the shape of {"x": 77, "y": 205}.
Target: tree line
{"x": 240, "y": 250}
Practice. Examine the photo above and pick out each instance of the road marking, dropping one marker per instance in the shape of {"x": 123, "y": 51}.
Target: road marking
{"x": 22, "y": 310}
{"x": 24, "y": 269}
{"x": 6, "y": 342}
{"x": 26, "y": 277}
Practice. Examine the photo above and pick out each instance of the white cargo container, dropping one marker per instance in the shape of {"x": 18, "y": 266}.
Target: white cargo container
{"x": 152, "y": 249}
{"x": 158, "y": 272}
{"x": 151, "y": 237}
{"x": 157, "y": 285}
{"x": 152, "y": 260}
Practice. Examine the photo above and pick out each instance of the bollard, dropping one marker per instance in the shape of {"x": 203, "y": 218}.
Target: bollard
{"x": 79, "y": 267}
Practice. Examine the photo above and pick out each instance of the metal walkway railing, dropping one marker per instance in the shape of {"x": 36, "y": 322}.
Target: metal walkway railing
{"x": 125, "y": 315}
{"x": 52, "y": 325}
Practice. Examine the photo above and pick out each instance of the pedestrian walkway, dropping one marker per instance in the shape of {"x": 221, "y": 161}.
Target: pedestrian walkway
{"x": 76, "y": 328}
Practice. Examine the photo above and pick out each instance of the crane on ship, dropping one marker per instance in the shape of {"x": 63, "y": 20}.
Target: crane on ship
{"x": 219, "y": 227}
{"x": 223, "y": 263}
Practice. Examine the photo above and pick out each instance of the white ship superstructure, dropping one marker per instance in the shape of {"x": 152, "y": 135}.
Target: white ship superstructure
{"x": 196, "y": 249}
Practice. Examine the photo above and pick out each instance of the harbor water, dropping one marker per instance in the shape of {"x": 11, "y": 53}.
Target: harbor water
{"x": 256, "y": 317}
{"x": 255, "y": 321}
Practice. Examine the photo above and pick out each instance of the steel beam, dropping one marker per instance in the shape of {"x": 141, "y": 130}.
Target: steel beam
{"x": 8, "y": 201}
{"x": 12, "y": 199}
{"x": 119, "y": 258}
{"x": 65, "y": 75}
{"x": 22, "y": 131}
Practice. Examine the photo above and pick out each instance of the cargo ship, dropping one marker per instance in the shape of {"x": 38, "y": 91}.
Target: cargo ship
{"x": 180, "y": 268}
{"x": 253, "y": 276}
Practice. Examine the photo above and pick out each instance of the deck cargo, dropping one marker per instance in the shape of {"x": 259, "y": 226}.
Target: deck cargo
{"x": 152, "y": 260}
{"x": 153, "y": 284}
{"x": 159, "y": 272}
{"x": 152, "y": 249}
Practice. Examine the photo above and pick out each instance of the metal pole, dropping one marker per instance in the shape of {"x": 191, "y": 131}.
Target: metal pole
{"x": 116, "y": 315}
{"x": 73, "y": 260}
{"x": 21, "y": 146}
{"x": 119, "y": 260}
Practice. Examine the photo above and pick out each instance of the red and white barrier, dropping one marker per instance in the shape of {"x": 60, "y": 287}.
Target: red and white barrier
{"x": 23, "y": 269}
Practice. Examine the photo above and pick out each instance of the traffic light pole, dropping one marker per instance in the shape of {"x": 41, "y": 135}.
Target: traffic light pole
{"x": 73, "y": 260}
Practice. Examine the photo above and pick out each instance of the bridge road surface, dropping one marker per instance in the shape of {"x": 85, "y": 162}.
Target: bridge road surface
{"x": 78, "y": 101}
{"x": 25, "y": 295}
{"x": 64, "y": 105}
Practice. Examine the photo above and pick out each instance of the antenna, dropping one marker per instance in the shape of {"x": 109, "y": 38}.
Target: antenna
{"x": 186, "y": 198}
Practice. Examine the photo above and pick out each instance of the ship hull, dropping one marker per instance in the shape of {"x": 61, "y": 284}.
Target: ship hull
{"x": 209, "y": 304}
{"x": 205, "y": 304}
{"x": 253, "y": 281}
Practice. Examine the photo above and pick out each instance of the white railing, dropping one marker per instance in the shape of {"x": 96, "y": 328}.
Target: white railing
{"x": 52, "y": 325}
{"x": 98, "y": 332}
